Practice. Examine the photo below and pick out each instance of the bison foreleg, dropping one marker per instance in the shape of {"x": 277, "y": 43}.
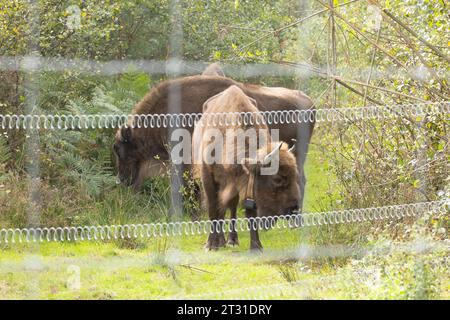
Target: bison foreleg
{"x": 255, "y": 244}
{"x": 216, "y": 238}
{"x": 233, "y": 236}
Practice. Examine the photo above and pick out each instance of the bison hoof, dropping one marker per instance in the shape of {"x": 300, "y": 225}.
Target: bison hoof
{"x": 215, "y": 241}
{"x": 256, "y": 247}
{"x": 209, "y": 247}
{"x": 233, "y": 239}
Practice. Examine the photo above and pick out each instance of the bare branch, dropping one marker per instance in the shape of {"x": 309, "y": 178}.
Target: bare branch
{"x": 371, "y": 65}
{"x": 357, "y": 30}
{"x": 277, "y": 31}
{"x": 345, "y": 85}
{"x": 381, "y": 89}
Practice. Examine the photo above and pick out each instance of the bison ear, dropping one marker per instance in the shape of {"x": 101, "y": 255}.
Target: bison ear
{"x": 126, "y": 133}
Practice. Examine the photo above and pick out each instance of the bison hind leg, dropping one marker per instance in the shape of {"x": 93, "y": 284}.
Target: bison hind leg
{"x": 233, "y": 240}
{"x": 216, "y": 237}
{"x": 255, "y": 243}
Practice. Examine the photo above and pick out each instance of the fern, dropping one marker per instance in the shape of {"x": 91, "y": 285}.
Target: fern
{"x": 88, "y": 174}
{"x": 103, "y": 103}
{"x": 129, "y": 89}
{"x": 82, "y": 159}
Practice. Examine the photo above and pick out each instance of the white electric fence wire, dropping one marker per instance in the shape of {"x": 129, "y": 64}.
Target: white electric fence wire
{"x": 276, "y": 117}
{"x": 192, "y": 228}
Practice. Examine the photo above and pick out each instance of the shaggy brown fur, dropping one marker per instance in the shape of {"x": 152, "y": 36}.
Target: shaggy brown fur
{"x": 224, "y": 184}
{"x": 137, "y": 148}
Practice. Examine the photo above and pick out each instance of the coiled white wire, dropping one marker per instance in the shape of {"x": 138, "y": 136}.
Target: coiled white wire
{"x": 191, "y": 228}
{"x": 105, "y": 121}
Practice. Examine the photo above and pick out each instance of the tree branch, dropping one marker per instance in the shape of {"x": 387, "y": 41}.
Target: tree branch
{"x": 345, "y": 85}
{"x": 292, "y": 24}
{"x": 380, "y": 88}
{"x": 438, "y": 52}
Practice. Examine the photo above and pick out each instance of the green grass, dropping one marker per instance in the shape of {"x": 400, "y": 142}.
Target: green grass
{"x": 178, "y": 267}
{"x": 182, "y": 270}
{"x": 320, "y": 193}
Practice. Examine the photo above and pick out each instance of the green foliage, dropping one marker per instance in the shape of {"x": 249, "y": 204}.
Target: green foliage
{"x": 190, "y": 192}
{"x": 424, "y": 286}
{"x": 5, "y": 154}
{"x": 350, "y": 165}
{"x": 388, "y": 162}
{"x": 289, "y": 271}
{"x": 84, "y": 175}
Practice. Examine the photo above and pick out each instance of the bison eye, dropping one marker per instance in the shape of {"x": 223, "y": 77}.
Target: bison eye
{"x": 278, "y": 181}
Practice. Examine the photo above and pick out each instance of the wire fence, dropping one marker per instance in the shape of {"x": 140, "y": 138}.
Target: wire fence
{"x": 192, "y": 228}
{"x": 301, "y": 253}
{"x": 175, "y": 65}
{"x": 276, "y": 117}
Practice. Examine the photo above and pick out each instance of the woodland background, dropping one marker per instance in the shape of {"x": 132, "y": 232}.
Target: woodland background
{"x": 340, "y": 53}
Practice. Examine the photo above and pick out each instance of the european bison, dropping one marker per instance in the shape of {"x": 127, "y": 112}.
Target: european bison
{"x": 272, "y": 190}
{"x": 137, "y": 148}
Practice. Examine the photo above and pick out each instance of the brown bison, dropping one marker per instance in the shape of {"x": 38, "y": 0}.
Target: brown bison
{"x": 225, "y": 182}
{"x": 141, "y": 151}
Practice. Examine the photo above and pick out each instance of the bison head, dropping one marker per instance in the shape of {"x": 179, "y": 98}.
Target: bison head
{"x": 137, "y": 156}
{"x": 277, "y": 193}
{"x": 127, "y": 156}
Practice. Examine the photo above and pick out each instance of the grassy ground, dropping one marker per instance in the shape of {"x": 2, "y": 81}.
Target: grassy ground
{"x": 179, "y": 268}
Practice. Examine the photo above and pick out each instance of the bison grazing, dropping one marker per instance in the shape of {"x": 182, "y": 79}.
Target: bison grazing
{"x": 225, "y": 182}
{"x": 137, "y": 148}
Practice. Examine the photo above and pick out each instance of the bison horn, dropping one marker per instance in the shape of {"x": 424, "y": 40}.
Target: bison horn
{"x": 292, "y": 149}
{"x": 269, "y": 157}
